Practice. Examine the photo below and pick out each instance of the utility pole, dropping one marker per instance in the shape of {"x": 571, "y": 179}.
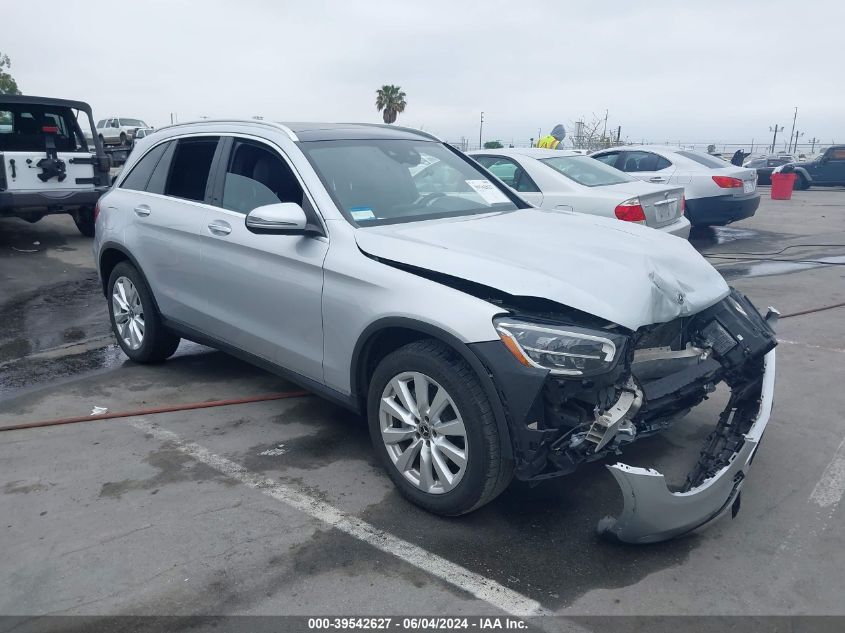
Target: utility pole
{"x": 797, "y": 134}
{"x": 792, "y": 132}
{"x": 775, "y": 129}
{"x": 604, "y": 129}
{"x": 480, "y": 128}
{"x": 752, "y": 146}
{"x": 618, "y": 134}
{"x": 814, "y": 140}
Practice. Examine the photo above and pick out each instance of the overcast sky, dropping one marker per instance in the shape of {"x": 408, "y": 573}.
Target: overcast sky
{"x": 679, "y": 71}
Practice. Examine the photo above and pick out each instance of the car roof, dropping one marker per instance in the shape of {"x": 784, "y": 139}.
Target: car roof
{"x": 657, "y": 148}
{"x": 305, "y": 132}
{"x": 533, "y": 152}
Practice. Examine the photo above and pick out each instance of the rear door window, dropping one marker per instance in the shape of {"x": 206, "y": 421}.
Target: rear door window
{"x": 190, "y": 168}
{"x": 158, "y": 181}
{"x": 256, "y": 176}
{"x": 140, "y": 175}
{"x": 643, "y": 161}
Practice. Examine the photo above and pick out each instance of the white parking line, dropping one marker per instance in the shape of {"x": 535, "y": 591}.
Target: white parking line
{"x": 830, "y": 488}
{"x": 829, "y": 349}
{"x": 482, "y": 588}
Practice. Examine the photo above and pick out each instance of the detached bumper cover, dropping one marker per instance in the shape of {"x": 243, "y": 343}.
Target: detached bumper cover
{"x": 722, "y": 209}
{"x": 652, "y": 513}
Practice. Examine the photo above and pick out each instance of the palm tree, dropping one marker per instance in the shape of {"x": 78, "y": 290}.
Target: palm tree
{"x": 390, "y": 101}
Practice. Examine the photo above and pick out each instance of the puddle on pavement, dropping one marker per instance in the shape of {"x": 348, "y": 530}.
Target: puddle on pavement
{"x": 768, "y": 268}
{"x": 33, "y": 372}
{"x": 52, "y": 316}
{"x": 26, "y": 373}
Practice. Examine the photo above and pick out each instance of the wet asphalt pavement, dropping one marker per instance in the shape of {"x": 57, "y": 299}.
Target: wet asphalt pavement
{"x": 111, "y": 517}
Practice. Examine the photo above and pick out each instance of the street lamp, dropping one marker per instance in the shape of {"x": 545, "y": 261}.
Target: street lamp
{"x": 480, "y": 128}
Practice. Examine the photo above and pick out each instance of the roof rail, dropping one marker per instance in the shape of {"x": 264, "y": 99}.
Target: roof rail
{"x": 273, "y": 124}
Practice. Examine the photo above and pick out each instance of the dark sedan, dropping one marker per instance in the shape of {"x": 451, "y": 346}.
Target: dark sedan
{"x": 765, "y": 167}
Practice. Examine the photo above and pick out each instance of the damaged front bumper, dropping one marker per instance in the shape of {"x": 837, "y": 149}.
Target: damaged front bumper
{"x": 557, "y": 423}
{"x": 653, "y": 513}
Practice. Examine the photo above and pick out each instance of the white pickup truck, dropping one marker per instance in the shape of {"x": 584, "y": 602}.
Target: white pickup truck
{"x": 46, "y": 164}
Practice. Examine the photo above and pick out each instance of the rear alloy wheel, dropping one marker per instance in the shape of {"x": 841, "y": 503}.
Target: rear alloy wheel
{"x": 433, "y": 428}
{"x": 128, "y": 313}
{"x": 134, "y": 318}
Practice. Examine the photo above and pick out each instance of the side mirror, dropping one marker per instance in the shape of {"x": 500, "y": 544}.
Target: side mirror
{"x": 284, "y": 218}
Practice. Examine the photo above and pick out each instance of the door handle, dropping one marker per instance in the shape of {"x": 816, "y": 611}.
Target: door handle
{"x": 657, "y": 179}
{"x": 220, "y": 228}
{"x": 142, "y": 210}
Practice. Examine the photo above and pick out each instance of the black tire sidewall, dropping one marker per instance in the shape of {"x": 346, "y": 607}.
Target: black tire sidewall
{"x": 152, "y": 324}
{"x": 84, "y": 220}
{"x": 466, "y": 495}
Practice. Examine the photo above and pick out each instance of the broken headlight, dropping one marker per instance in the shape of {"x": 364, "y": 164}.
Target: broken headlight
{"x": 562, "y": 349}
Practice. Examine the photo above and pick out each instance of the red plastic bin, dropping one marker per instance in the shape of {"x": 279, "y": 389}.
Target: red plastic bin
{"x": 782, "y": 186}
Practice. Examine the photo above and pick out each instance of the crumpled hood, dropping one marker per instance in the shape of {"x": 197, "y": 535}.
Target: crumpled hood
{"x": 624, "y": 273}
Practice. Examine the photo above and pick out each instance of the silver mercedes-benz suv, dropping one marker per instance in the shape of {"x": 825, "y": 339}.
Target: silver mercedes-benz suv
{"x": 481, "y": 337}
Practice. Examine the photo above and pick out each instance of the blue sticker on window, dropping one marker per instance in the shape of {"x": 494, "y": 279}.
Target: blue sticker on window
{"x": 362, "y": 213}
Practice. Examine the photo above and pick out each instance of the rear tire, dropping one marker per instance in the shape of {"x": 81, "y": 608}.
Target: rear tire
{"x": 122, "y": 138}
{"x": 135, "y": 321}
{"x": 84, "y": 220}
{"x": 463, "y": 429}
{"x": 801, "y": 183}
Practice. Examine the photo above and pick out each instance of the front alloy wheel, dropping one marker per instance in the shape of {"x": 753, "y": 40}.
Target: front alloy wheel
{"x": 433, "y": 428}
{"x": 423, "y": 432}
{"x": 128, "y": 313}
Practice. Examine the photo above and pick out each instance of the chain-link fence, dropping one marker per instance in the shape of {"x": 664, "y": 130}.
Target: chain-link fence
{"x": 749, "y": 147}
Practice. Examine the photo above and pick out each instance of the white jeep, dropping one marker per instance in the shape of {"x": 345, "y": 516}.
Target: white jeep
{"x": 46, "y": 164}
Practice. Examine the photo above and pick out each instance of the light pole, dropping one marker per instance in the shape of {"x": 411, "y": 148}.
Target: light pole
{"x": 775, "y": 129}
{"x": 480, "y": 128}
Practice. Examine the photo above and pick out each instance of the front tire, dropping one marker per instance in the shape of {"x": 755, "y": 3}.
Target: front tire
{"x": 433, "y": 429}
{"x": 135, "y": 320}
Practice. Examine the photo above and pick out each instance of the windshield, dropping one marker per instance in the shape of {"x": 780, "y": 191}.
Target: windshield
{"x": 394, "y": 181}
{"x": 704, "y": 159}
{"x": 587, "y": 171}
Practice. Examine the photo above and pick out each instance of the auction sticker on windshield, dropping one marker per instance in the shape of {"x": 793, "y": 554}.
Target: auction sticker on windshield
{"x": 362, "y": 213}
{"x": 488, "y": 191}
